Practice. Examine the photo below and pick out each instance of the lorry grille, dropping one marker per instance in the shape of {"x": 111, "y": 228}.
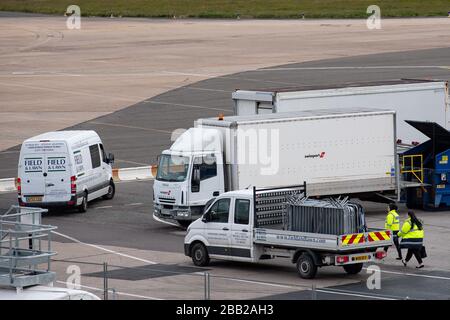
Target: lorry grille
{"x": 166, "y": 200}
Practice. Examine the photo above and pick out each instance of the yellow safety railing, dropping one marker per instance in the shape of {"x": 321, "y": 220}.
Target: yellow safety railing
{"x": 416, "y": 171}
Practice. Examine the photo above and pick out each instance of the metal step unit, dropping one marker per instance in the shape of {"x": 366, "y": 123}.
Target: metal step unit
{"x": 328, "y": 216}
{"x": 25, "y": 248}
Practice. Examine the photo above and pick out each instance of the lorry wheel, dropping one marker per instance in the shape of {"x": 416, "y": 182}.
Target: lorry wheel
{"x": 84, "y": 204}
{"x": 306, "y": 267}
{"x": 353, "y": 268}
{"x": 199, "y": 254}
{"x": 111, "y": 191}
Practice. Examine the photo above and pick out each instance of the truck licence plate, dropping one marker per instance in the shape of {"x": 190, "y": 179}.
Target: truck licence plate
{"x": 34, "y": 199}
{"x": 360, "y": 258}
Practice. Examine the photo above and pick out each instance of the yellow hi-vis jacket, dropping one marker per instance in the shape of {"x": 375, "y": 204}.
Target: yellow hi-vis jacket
{"x": 410, "y": 233}
{"x": 392, "y": 221}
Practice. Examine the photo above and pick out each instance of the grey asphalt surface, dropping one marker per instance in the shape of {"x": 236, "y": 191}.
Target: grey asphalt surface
{"x": 140, "y": 132}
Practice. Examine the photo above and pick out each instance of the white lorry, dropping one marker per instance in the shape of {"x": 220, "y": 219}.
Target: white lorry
{"x": 336, "y": 152}
{"x": 64, "y": 169}
{"x": 422, "y": 100}
{"x": 237, "y": 226}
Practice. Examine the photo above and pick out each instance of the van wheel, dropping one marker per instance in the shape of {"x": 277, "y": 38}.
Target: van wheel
{"x": 306, "y": 267}
{"x": 84, "y": 204}
{"x": 111, "y": 191}
{"x": 353, "y": 268}
{"x": 199, "y": 254}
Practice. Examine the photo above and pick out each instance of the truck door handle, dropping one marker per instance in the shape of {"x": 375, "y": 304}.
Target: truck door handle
{"x": 244, "y": 230}
{"x": 225, "y": 229}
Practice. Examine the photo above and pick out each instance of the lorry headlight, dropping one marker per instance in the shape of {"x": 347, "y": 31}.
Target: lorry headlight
{"x": 183, "y": 214}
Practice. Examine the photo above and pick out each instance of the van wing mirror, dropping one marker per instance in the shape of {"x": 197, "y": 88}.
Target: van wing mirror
{"x": 110, "y": 158}
{"x": 206, "y": 217}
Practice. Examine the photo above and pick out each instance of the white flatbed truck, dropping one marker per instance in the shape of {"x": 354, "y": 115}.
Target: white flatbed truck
{"x": 242, "y": 226}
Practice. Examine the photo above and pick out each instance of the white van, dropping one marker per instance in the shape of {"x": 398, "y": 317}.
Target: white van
{"x": 64, "y": 169}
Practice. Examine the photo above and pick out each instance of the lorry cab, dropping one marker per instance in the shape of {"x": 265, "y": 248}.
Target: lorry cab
{"x": 225, "y": 230}
{"x": 64, "y": 169}
{"x": 189, "y": 174}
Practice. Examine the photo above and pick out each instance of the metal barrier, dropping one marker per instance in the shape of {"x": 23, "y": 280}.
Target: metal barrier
{"x": 22, "y": 252}
{"x": 205, "y": 285}
{"x": 328, "y": 216}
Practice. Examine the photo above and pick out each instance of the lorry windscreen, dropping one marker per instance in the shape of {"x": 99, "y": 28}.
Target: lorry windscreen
{"x": 172, "y": 168}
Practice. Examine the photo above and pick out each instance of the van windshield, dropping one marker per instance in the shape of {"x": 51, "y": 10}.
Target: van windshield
{"x": 172, "y": 168}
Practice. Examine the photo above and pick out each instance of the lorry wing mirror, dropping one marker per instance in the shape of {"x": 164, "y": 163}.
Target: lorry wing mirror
{"x": 195, "y": 182}
{"x": 196, "y": 175}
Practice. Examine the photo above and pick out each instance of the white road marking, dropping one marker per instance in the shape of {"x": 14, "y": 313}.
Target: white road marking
{"x": 104, "y": 249}
{"x": 415, "y": 275}
{"x": 324, "y": 290}
{"x": 132, "y": 162}
{"x": 202, "y": 89}
{"x": 355, "y": 294}
{"x": 351, "y": 68}
{"x": 117, "y": 292}
{"x": 103, "y": 207}
{"x": 191, "y": 74}
{"x": 134, "y": 204}
{"x": 131, "y": 127}
{"x": 185, "y": 105}
{"x": 80, "y": 93}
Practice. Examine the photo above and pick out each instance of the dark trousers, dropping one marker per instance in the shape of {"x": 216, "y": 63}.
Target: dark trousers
{"x": 396, "y": 244}
{"x": 416, "y": 252}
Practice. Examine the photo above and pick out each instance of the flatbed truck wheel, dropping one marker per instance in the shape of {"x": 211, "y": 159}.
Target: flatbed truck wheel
{"x": 306, "y": 266}
{"x": 353, "y": 268}
{"x": 199, "y": 255}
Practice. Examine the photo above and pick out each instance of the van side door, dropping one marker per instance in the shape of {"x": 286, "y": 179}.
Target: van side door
{"x": 241, "y": 231}
{"x": 106, "y": 167}
{"x": 96, "y": 181}
{"x": 217, "y": 228}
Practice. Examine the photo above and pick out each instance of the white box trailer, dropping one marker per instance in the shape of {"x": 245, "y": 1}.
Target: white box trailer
{"x": 423, "y": 100}
{"x": 337, "y": 152}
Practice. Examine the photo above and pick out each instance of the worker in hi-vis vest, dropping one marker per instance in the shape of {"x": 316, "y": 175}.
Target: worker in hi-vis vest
{"x": 412, "y": 238}
{"x": 392, "y": 223}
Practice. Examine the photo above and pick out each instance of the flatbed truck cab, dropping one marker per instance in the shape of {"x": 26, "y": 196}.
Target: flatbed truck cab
{"x": 230, "y": 230}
